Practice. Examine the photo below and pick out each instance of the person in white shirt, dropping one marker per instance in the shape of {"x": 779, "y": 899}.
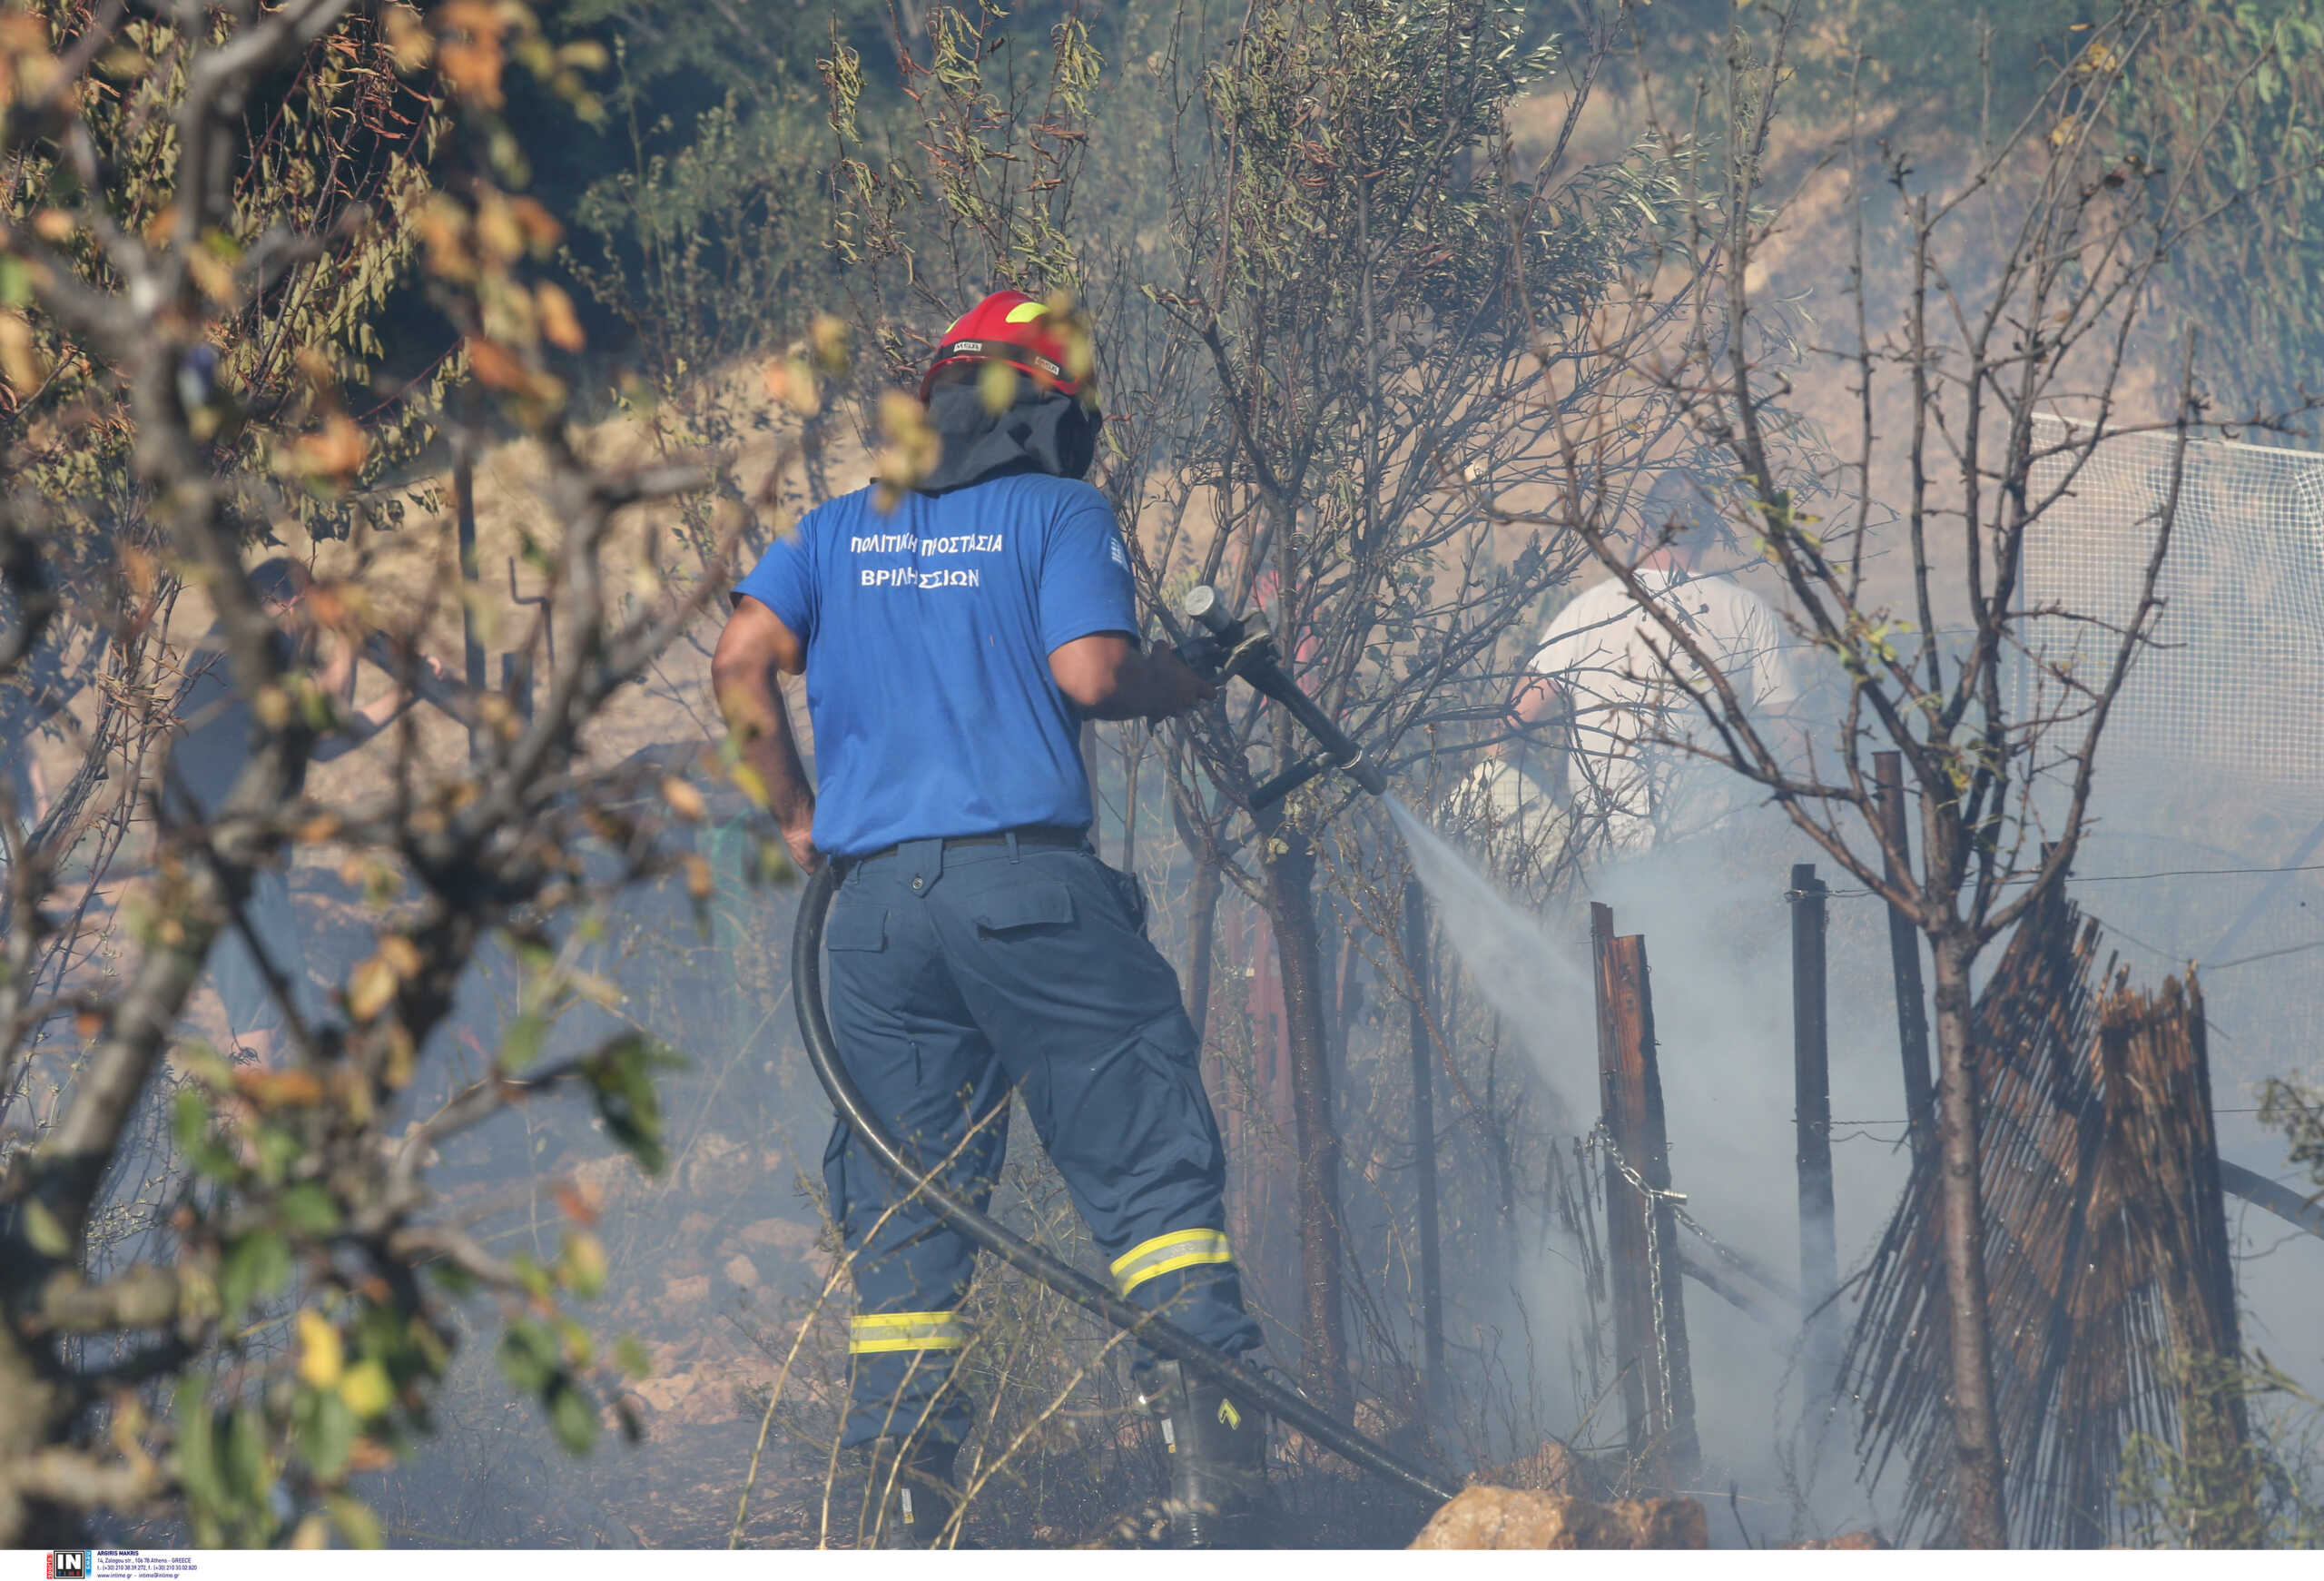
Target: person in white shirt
{"x": 1514, "y": 802}
{"x": 1609, "y": 662}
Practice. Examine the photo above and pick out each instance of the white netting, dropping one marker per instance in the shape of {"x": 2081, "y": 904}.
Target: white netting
{"x": 2233, "y": 685}
{"x": 2210, "y": 799}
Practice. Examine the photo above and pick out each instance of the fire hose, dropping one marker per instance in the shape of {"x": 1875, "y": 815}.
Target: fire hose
{"x": 1225, "y": 646}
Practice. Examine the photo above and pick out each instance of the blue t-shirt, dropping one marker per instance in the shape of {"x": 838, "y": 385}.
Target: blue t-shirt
{"x": 928, "y": 633}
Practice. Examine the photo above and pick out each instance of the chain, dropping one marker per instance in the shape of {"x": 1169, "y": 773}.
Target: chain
{"x": 1651, "y": 1196}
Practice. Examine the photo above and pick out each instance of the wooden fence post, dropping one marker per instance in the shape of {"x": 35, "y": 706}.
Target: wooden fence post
{"x": 1811, "y": 1078}
{"x": 1643, "y": 1262}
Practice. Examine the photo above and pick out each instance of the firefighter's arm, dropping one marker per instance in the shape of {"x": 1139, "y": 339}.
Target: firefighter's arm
{"x": 754, "y": 652}
{"x": 1109, "y": 677}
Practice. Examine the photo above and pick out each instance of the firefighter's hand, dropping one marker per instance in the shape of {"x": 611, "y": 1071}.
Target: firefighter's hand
{"x": 799, "y": 839}
{"x": 1174, "y": 687}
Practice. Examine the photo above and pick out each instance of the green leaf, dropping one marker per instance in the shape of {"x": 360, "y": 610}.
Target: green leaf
{"x": 630, "y": 1355}
{"x": 189, "y": 1119}
{"x": 326, "y": 1433}
{"x": 571, "y": 1418}
{"x": 45, "y": 1229}
{"x": 527, "y": 1356}
{"x": 278, "y": 1150}
{"x": 255, "y": 1265}
{"x": 355, "y": 1521}
{"x": 310, "y": 1209}
{"x": 536, "y": 1279}
{"x": 198, "y": 1443}
{"x": 621, "y": 1078}
{"x": 584, "y": 1263}
{"x": 520, "y": 1046}
{"x": 250, "y": 1468}
{"x": 16, "y": 281}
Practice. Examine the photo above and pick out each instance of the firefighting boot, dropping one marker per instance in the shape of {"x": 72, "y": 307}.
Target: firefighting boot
{"x": 1219, "y": 1456}
{"x": 909, "y": 1495}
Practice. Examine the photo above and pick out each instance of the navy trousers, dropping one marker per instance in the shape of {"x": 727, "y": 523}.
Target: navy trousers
{"x": 955, "y": 976}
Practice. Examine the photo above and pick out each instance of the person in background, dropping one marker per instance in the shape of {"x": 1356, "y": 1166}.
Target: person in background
{"x": 1603, "y": 656}
{"x": 212, "y": 738}
{"x": 1516, "y": 800}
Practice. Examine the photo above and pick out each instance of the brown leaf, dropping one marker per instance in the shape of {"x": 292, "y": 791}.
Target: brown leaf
{"x": 369, "y": 1454}
{"x": 337, "y": 454}
{"x": 473, "y": 68}
{"x": 370, "y": 988}
{"x": 443, "y": 227}
{"x": 401, "y": 954}
{"x": 559, "y": 323}
{"x": 684, "y": 798}
{"x": 574, "y": 1205}
{"x": 541, "y": 229}
{"x": 410, "y": 44}
{"x": 496, "y": 366}
{"x": 278, "y": 1089}
{"x": 20, "y": 361}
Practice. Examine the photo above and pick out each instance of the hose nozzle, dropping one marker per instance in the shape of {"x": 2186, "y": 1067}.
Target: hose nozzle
{"x": 1232, "y": 646}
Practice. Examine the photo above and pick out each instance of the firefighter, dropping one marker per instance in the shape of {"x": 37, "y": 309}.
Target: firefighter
{"x": 951, "y": 648}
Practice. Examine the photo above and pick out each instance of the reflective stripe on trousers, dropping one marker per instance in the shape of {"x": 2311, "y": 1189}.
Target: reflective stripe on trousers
{"x": 882, "y": 1331}
{"x": 1167, "y": 1254}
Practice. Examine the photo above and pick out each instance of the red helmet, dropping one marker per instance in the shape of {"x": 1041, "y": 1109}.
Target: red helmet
{"x": 1007, "y": 327}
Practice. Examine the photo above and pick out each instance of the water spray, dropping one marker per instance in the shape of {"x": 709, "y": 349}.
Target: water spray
{"x": 1224, "y": 647}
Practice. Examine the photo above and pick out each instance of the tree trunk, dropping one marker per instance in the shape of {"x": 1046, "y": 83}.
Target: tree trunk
{"x": 1291, "y": 907}
{"x": 1423, "y": 1060}
{"x": 1979, "y": 1511}
{"x": 1202, "y": 928}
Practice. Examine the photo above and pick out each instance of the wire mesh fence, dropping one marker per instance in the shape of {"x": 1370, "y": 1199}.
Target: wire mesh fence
{"x": 2229, "y": 685}
{"x": 2210, "y": 808}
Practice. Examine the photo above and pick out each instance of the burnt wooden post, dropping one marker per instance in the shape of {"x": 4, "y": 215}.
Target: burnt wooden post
{"x": 1905, "y": 956}
{"x": 1431, "y": 1273}
{"x": 2155, "y": 1061}
{"x": 516, "y": 683}
{"x": 1642, "y": 1252}
{"x": 1811, "y": 1086}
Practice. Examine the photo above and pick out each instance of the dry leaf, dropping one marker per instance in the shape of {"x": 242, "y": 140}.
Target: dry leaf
{"x": 684, "y": 798}
{"x": 22, "y": 361}
{"x": 559, "y": 323}
{"x": 410, "y": 44}
{"x": 370, "y": 988}
{"x": 496, "y": 230}
{"x": 401, "y": 954}
{"x": 322, "y": 1356}
{"x": 541, "y": 229}
{"x": 278, "y": 1089}
{"x": 494, "y": 366}
{"x": 337, "y": 454}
